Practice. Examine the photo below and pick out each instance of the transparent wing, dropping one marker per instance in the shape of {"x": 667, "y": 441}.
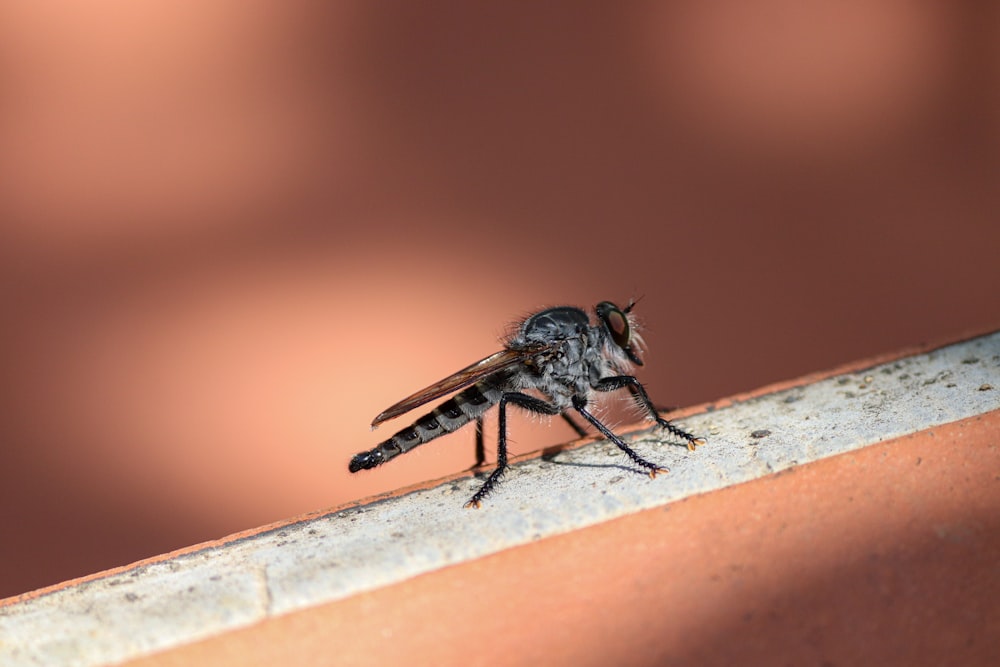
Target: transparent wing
{"x": 463, "y": 378}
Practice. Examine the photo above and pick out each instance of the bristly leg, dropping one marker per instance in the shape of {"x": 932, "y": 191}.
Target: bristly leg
{"x": 580, "y": 403}
{"x": 622, "y": 381}
{"x": 526, "y": 402}
{"x": 692, "y": 441}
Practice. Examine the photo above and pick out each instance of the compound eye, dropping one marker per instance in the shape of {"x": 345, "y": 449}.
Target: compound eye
{"x": 619, "y": 328}
{"x": 617, "y": 325}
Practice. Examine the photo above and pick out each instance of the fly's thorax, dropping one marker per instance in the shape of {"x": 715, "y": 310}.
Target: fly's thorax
{"x": 563, "y": 369}
{"x": 574, "y": 354}
{"x": 550, "y": 326}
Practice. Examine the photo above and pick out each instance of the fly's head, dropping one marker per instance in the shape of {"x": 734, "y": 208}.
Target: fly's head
{"x": 620, "y": 329}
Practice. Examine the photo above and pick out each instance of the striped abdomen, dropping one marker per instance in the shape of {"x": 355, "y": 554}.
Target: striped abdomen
{"x": 450, "y": 416}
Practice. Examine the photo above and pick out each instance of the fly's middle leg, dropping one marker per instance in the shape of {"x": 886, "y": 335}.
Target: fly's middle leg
{"x": 580, "y": 404}
{"x": 525, "y": 402}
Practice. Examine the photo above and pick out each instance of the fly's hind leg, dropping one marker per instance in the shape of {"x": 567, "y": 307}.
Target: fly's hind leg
{"x": 480, "y": 444}
{"x": 580, "y": 404}
{"x": 525, "y": 402}
{"x": 633, "y": 384}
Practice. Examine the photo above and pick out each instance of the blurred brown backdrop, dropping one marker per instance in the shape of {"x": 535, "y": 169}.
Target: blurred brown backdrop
{"x": 233, "y": 232}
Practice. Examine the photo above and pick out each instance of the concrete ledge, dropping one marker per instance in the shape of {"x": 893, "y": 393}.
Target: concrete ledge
{"x": 313, "y": 561}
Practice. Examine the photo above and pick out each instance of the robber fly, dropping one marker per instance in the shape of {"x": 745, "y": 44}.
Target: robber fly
{"x": 557, "y": 353}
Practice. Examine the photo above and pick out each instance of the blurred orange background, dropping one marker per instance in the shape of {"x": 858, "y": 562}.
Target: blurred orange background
{"x": 233, "y": 232}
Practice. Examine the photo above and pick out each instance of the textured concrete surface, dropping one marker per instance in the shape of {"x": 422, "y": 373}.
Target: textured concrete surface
{"x": 205, "y": 591}
{"x": 886, "y": 556}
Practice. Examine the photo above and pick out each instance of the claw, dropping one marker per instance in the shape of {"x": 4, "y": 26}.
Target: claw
{"x": 473, "y": 504}
{"x": 658, "y": 471}
{"x": 696, "y": 442}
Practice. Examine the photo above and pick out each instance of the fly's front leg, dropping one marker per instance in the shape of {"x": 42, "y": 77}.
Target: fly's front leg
{"x": 580, "y": 403}
{"x": 633, "y": 384}
{"x": 525, "y": 402}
